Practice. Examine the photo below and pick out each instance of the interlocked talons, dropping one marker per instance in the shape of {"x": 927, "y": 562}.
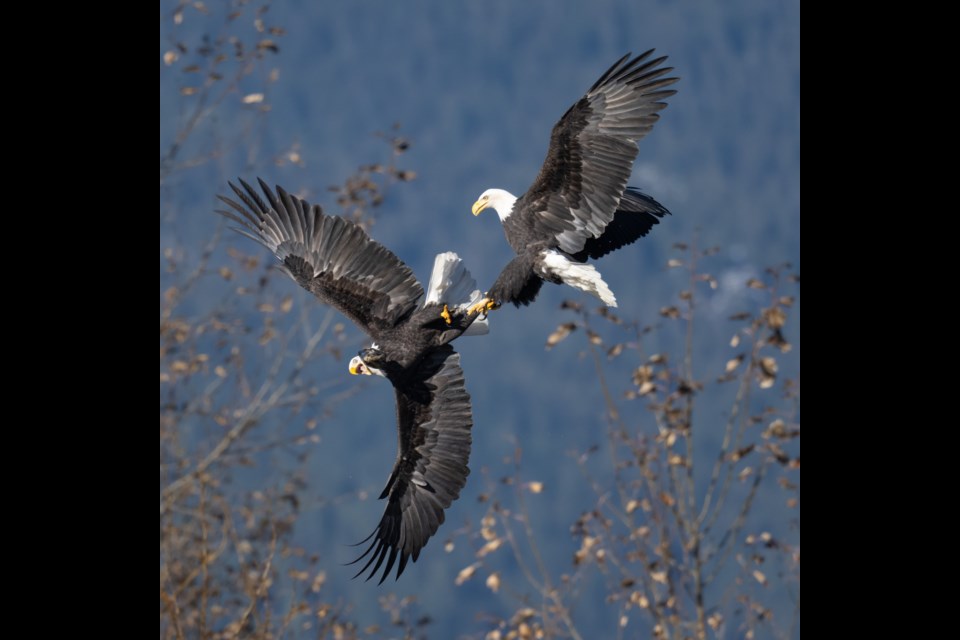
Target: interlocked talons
{"x": 487, "y": 304}
{"x": 445, "y": 314}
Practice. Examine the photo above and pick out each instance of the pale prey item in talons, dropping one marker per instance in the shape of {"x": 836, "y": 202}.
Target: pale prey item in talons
{"x": 336, "y": 260}
{"x": 580, "y": 206}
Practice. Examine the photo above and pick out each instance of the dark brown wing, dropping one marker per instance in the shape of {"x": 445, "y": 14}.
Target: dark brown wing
{"x": 434, "y": 422}
{"x": 591, "y": 154}
{"x": 635, "y": 216}
{"x": 332, "y": 258}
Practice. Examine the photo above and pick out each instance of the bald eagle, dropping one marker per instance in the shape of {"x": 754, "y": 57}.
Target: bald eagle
{"x": 580, "y": 206}
{"x": 335, "y": 260}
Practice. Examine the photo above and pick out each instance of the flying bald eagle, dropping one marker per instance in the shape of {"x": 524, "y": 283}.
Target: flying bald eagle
{"x": 579, "y": 206}
{"x": 335, "y": 260}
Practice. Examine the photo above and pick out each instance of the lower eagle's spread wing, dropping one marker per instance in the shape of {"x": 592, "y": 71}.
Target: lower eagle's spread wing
{"x": 591, "y": 154}
{"x": 434, "y": 422}
{"x": 330, "y": 257}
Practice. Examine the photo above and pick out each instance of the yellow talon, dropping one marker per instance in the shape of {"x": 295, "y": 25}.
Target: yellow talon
{"x": 445, "y": 314}
{"x": 487, "y": 304}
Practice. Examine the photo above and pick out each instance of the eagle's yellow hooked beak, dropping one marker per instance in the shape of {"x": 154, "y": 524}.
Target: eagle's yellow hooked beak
{"x": 357, "y": 367}
{"x": 480, "y": 205}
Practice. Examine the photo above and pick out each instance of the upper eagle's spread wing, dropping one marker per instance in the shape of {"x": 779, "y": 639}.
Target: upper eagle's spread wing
{"x": 332, "y": 258}
{"x": 591, "y": 154}
{"x": 434, "y": 422}
{"x": 635, "y": 216}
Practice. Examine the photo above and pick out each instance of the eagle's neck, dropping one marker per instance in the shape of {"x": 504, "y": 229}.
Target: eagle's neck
{"x": 502, "y": 202}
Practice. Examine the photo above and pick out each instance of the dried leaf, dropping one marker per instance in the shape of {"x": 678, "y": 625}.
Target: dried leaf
{"x": 253, "y": 98}
{"x": 769, "y": 366}
{"x": 642, "y": 374}
{"x": 220, "y": 371}
{"x": 465, "y": 574}
{"x": 615, "y": 350}
{"x": 594, "y": 337}
{"x": 759, "y": 577}
{"x": 778, "y": 453}
{"x": 776, "y": 429}
{"x": 775, "y": 317}
{"x": 489, "y": 547}
{"x": 448, "y": 546}
{"x": 753, "y": 283}
{"x": 523, "y": 614}
{"x": 170, "y": 57}
{"x": 560, "y": 334}
{"x": 609, "y": 315}
{"x": 493, "y": 582}
{"x": 673, "y": 262}
{"x": 268, "y": 44}
{"x": 715, "y": 620}
{"x": 733, "y": 363}
{"x": 741, "y": 452}
{"x": 632, "y": 506}
{"x": 286, "y": 304}
{"x": 735, "y": 340}
{"x": 659, "y": 576}
{"x": 670, "y": 312}
{"x": 535, "y": 487}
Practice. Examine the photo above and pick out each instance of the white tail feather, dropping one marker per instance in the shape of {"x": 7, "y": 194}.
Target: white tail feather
{"x": 581, "y": 276}
{"x": 451, "y": 284}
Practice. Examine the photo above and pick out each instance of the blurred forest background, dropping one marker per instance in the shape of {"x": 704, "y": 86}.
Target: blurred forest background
{"x": 634, "y": 474}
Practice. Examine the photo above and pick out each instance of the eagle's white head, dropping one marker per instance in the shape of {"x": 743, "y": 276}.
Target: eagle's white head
{"x": 497, "y": 199}
{"x": 366, "y": 362}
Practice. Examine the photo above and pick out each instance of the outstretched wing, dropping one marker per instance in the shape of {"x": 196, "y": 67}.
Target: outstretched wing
{"x": 591, "y": 154}
{"x": 635, "y": 216}
{"x": 434, "y": 422}
{"x": 332, "y": 258}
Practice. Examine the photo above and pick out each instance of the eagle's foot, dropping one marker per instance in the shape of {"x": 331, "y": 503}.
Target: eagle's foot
{"x": 445, "y": 314}
{"x": 487, "y": 304}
